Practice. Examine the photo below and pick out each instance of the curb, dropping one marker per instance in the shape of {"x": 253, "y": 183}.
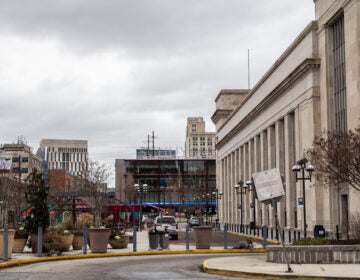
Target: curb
{"x": 256, "y": 238}
{"x": 126, "y": 254}
{"x": 255, "y": 275}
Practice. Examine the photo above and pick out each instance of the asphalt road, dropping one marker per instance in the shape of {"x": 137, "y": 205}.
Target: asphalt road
{"x": 134, "y": 267}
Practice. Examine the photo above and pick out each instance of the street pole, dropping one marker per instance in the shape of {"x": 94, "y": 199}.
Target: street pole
{"x": 240, "y": 188}
{"x": 217, "y": 195}
{"x": 241, "y": 213}
{"x": 141, "y": 189}
{"x": 304, "y": 199}
{"x": 140, "y": 221}
{"x": 301, "y": 165}
{"x": 251, "y": 187}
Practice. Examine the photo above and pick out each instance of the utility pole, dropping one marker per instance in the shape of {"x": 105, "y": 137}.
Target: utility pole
{"x": 153, "y": 144}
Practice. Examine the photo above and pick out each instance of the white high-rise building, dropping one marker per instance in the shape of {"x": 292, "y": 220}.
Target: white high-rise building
{"x": 71, "y": 155}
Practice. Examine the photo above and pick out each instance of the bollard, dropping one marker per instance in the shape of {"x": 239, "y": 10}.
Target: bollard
{"x": 39, "y": 241}
{"x": 225, "y": 237}
{"x": 6, "y": 244}
{"x": 187, "y": 237}
{"x": 84, "y": 240}
{"x": 265, "y": 232}
{"x": 134, "y": 239}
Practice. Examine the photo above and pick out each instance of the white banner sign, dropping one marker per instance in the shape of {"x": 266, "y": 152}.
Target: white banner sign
{"x": 268, "y": 185}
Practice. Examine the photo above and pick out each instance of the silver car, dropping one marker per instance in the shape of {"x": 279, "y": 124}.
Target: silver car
{"x": 194, "y": 221}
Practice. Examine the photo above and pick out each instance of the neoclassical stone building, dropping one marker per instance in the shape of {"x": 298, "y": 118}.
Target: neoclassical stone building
{"x": 312, "y": 87}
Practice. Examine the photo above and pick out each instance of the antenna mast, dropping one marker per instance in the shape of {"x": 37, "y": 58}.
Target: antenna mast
{"x": 248, "y": 69}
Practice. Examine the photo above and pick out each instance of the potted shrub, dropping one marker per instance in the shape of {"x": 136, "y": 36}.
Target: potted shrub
{"x": 94, "y": 185}
{"x": 64, "y": 229}
{"x": 83, "y": 220}
{"x": 20, "y": 239}
{"x": 36, "y": 196}
{"x": 118, "y": 239}
{"x": 66, "y": 237}
{"x": 52, "y": 241}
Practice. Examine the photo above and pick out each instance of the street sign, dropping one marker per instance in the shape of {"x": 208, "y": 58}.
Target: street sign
{"x": 301, "y": 202}
{"x": 268, "y": 186}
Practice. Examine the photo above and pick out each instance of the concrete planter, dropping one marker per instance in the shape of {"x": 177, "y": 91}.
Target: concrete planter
{"x": 99, "y": 239}
{"x": 203, "y": 237}
{"x": 119, "y": 244}
{"x": 324, "y": 254}
{"x": 67, "y": 240}
{"x": 34, "y": 240}
{"x": 55, "y": 247}
{"x": 11, "y": 235}
{"x": 77, "y": 242}
{"x": 19, "y": 245}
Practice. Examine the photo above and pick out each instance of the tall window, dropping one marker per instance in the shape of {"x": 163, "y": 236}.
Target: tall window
{"x": 339, "y": 74}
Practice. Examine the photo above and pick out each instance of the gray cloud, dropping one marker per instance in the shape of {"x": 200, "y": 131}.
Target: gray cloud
{"x": 114, "y": 71}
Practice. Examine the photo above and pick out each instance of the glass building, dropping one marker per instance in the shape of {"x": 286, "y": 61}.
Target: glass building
{"x": 179, "y": 184}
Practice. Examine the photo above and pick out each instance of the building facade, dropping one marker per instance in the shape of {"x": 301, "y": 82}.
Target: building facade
{"x": 61, "y": 182}
{"x": 199, "y": 143}
{"x": 173, "y": 183}
{"x": 70, "y": 155}
{"x": 23, "y": 161}
{"x": 312, "y": 87}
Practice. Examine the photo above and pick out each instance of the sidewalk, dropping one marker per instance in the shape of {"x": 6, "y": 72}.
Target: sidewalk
{"x": 242, "y": 264}
{"x": 256, "y": 266}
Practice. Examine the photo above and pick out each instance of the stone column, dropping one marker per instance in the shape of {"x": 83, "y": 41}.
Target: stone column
{"x": 271, "y": 164}
{"x": 232, "y": 183}
{"x": 352, "y": 58}
{"x": 237, "y": 176}
{"x": 264, "y": 166}
{"x": 291, "y": 203}
{"x": 280, "y": 164}
{"x": 257, "y": 168}
{"x": 227, "y": 193}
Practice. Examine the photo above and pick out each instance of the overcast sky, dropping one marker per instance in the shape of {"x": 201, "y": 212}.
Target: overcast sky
{"x": 113, "y": 71}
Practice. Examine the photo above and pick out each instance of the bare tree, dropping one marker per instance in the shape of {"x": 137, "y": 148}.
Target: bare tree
{"x": 94, "y": 185}
{"x": 336, "y": 156}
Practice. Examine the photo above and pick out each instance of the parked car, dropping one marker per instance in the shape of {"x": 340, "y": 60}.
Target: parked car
{"x": 194, "y": 221}
{"x": 167, "y": 224}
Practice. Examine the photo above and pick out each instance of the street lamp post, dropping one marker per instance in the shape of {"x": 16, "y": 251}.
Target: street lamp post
{"x": 301, "y": 166}
{"x": 240, "y": 188}
{"x": 207, "y": 197}
{"x": 250, "y": 185}
{"x": 141, "y": 189}
{"x": 217, "y": 196}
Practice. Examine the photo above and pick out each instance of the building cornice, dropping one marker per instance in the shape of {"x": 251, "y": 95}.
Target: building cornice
{"x": 307, "y": 65}
{"x": 310, "y": 27}
{"x": 219, "y": 114}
